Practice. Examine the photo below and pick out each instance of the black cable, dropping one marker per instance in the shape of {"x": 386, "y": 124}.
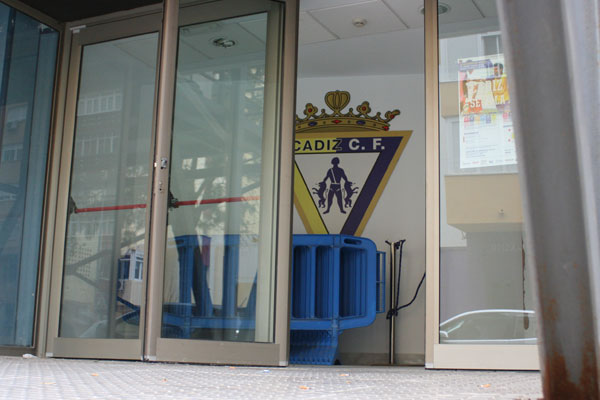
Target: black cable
{"x": 394, "y": 247}
{"x": 413, "y": 299}
{"x": 399, "y": 244}
{"x": 394, "y": 310}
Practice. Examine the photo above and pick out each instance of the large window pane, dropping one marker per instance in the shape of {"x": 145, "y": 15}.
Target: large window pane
{"x": 484, "y": 280}
{"x": 104, "y": 251}
{"x": 28, "y": 56}
{"x": 216, "y": 266}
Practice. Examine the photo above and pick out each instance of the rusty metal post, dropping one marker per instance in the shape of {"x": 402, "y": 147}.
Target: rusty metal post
{"x": 557, "y": 146}
{"x": 582, "y": 28}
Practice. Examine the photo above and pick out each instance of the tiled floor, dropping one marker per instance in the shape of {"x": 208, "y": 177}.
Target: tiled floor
{"x": 36, "y": 378}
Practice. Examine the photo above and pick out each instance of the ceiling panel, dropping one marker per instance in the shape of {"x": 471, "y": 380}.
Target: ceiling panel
{"x": 487, "y": 7}
{"x": 379, "y": 19}
{"x": 408, "y": 10}
{"x": 187, "y": 55}
{"x": 460, "y": 10}
{"x": 142, "y": 47}
{"x": 311, "y": 31}
{"x": 257, "y": 27}
{"x": 201, "y": 37}
{"x": 318, "y": 4}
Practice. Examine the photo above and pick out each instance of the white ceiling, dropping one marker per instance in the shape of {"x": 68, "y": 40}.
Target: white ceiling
{"x": 323, "y": 19}
{"x": 391, "y": 42}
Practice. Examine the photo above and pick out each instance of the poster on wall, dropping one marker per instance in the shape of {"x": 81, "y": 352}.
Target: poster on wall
{"x": 485, "y": 123}
{"x": 343, "y": 161}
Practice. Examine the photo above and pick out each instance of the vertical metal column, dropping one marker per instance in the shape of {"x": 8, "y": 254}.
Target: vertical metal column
{"x": 285, "y": 200}
{"x": 432, "y": 182}
{"x": 393, "y": 288}
{"x": 554, "y": 137}
{"x": 164, "y": 119}
{"x": 582, "y": 31}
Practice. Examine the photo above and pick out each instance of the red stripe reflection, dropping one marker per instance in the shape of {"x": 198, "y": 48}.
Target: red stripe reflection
{"x": 216, "y": 201}
{"x": 110, "y": 208}
{"x": 179, "y": 203}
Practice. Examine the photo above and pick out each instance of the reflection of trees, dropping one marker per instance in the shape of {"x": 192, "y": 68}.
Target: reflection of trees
{"x": 219, "y": 117}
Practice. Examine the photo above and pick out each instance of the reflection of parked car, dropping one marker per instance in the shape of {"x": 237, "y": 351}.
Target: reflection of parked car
{"x": 490, "y": 327}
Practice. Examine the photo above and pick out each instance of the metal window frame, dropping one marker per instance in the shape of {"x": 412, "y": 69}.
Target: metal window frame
{"x": 444, "y": 356}
{"x": 45, "y": 241}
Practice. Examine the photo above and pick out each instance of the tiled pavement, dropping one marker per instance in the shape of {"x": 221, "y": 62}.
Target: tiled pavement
{"x": 36, "y": 378}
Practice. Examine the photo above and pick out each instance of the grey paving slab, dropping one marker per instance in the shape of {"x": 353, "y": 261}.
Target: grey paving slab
{"x": 89, "y": 379}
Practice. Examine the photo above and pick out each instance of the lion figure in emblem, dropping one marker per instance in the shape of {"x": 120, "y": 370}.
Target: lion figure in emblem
{"x": 320, "y": 192}
{"x": 350, "y": 191}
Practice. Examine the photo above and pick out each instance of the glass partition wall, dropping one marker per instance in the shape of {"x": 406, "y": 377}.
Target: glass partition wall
{"x": 485, "y": 296}
{"x": 28, "y": 52}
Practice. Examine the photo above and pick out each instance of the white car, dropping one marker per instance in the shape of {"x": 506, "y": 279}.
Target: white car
{"x": 490, "y": 327}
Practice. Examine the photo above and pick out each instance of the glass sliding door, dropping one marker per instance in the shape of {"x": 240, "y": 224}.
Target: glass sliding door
{"x": 213, "y": 231}
{"x": 28, "y": 52}
{"x": 172, "y": 181}
{"x": 221, "y": 220}
{"x": 108, "y": 144}
{"x": 106, "y": 222}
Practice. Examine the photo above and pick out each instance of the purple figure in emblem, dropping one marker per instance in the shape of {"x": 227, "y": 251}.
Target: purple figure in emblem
{"x": 335, "y": 174}
{"x": 350, "y": 191}
{"x": 320, "y": 192}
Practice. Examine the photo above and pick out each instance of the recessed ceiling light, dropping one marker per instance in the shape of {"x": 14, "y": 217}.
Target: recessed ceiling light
{"x": 223, "y": 42}
{"x": 359, "y": 22}
{"x": 443, "y": 8}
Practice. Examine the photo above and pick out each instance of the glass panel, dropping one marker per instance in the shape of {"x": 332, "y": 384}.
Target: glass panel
{"x": 28, "y": 55}
{"x": 104, "y": 252}
{"x": 485, "y": 294}
{"x": 217, "y": 187}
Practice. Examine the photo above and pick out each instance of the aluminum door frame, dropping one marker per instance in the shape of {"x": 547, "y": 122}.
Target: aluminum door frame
{"x": 275, "y": 353}
{"x": 78, "y": 35}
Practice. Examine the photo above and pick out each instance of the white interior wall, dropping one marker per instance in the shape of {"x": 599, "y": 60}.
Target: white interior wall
{"x": 400, "y": 212}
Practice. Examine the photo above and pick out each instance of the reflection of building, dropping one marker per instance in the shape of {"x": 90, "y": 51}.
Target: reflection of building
{"x": 97, "y": 238}
{"x": 129, "y": 286}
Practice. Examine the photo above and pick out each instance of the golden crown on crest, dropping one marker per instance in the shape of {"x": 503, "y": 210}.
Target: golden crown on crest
{"x": 338, "y": 121}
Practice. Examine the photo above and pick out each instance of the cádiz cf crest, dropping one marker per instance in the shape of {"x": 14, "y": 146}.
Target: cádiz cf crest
{"x": 342, "y": 164}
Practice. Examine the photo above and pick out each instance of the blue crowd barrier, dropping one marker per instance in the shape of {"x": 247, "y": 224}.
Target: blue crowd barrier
{"x": 338, "y": 283}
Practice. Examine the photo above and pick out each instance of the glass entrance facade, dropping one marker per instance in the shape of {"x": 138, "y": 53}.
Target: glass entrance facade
{"x": 28, "y": 51}
{"x": 215, "y": 173}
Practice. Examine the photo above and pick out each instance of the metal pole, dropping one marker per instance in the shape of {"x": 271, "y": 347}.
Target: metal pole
{"x": 164, "y": 119}
{"x": 582, "y": 19}
{"x": 392, "y": 341}
{"x": 551, "y": 146}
